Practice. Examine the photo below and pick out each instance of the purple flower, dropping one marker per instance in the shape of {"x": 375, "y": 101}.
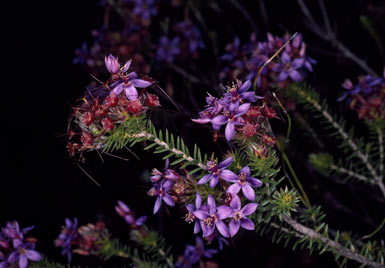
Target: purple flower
{"x": 233, "y": 49}
{"x": 192, "y": 35}
{"x": 144, "y": 9}
{"x": 193, "y": 254}
{"x": 68, "y": 234}
{"x": 244, "y": 182}
{"x": 239, "y": 216}
{"x": 366, "y": 86}
{"x": 23, "y": 253}
{"x": 168, "y": 174}
{"x": 190, "y": 215}
{"x": 213, "y": 218}
{"x": 161, "y": 190}
{"x": 167, "y": 49}
{"x": 232, "y": 117}
{"x": 289, "y": 68}
{"x": 237, "y": 93}
{"x": 217, "y": 171}
{"x": 129, "y": 83}
{"x": 112, "y": 64}
{"x": 123, "y": 210}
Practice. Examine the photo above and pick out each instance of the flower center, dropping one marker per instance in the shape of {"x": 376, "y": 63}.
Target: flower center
{"x": 242, "y": 178}
{"x": 189, "y": 217}
{"x": 212, "y": 166}
{"x": 22, "y": 251}
{"x": 237, "y": 216}
{"x": 210, "y": 220}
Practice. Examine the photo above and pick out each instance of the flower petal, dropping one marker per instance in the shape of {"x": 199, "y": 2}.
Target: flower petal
{"x": 225, "y": 163}
{"x": 158, "y": 202}
{"x": 200, "y": 214}
{"x": 197, "y": 227}
{"x": 33, "y": 255}
{"x": 131, "y": 92}
{"x": 201, "y": 120}
{"x": 224, "y": 212}
{"x": 234, "y": 227}
{"x": 168, "y": 200}
{"x": 248, "y": 192}
{"x": 249, "y": 209}
{"x": 211, "y": 204}
{"x": 297, "y": 63}
{"x": 123, "y": 206}
{"x": 245, "y": 170}
{"x": 219, "y": 120}
{"x": 247, "y": 224}
{"x": 234, "y": 188}
{"x": 198, "y": 200}
{"x": 141, "y": 220}
{"x": 129, "y": 219}
{"x": 214, "y": 181}
{"x": 254, "y": 182}
{"x": 118, "y": 89}
{"x": 229, "y": 132}
{"x": 228, "y": 175}
{"x": 282, "y": 76}
{"x": 243, "y": 109}
{"x": 23, "y": 261}
{"x": 204, "y": 179}
{"x": 126, "y": 66}
{"x": 222, "y": 228}
{"x": 285, "y": 58}
{"x": 209, "y": 230}
{"x": 140, "y": 83}
{"x": 295, "y": 75}
{"x": 235, "y": 203}
{"x": 245, "y": 86}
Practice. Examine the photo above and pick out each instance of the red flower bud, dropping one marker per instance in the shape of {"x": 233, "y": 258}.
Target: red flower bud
{"x": 101, "y": 111}
{"x": 111, "y": 100}
{"x": 253, "y": 112}
{"x": 152, "y": 100}
{"x": 88, "y": 118}
{"x": 268, "y": 140}
{"x": 108, "y": 124}
{"x": 249, "y": 130}
{"x": 87, "y": 139}
{"x": 135, "y": 106}
{"x": 269, "y": 112}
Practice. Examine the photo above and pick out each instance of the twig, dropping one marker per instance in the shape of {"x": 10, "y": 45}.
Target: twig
{"x": 328, "y": 35}
{"x": 381, "y": 150}
{"x": 351, "y": 173}
{"x": 310, "y": 233}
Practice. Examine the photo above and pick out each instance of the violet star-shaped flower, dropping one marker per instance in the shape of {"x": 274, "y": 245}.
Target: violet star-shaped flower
{"x": 232, "y": 117}
{"x": 168, "y": 174}
{"x": 195, "y": 253}
{"x": 218, "y": 171}
{"x": 190, "y": 218}
{"x": 129, "y": 83}
{"x": 239, "y": 93}
{"x": 288, "y": 68}
{"x": 161, "y": 190}
{"x": 212, "y": 218}
{"x": 239, "y": 216}
{"x": 144, "y": 9}
{"x": 22, "y": 254}
{"x": 167, "y": 49}
{"x": 123, "y": 210}
{"x": 67, "y": 235}
{"x": 244, "y": 182}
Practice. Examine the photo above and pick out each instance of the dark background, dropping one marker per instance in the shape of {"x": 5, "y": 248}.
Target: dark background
{"x": 41, "y": 184}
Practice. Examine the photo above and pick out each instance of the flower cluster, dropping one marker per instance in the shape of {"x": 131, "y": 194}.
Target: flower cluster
{"x": 67, "y": 237}
{"x": 15, "y": 248}
{"x": 244, "y": 61}
{"x": 191, "y": 37}
{"x": 194, "y": 254}
{"x": 105, "y": 107}
{"x": 234, "y": 110}
{"x": 367, "y": 97}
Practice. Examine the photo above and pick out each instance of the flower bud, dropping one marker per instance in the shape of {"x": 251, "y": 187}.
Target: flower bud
{"x": 88, "y": 118}
{"x": 112, "y": 64}
{"x": 135, "y": 106}
{"x": 111, "y": 100}
{"x": 108, "y": 124}
{"x": 87, "y": 139}
{"x": 152, "y": 100}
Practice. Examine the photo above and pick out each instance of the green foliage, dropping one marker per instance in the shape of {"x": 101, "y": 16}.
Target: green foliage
{"x": 284, "y": 201}
{"x": 321, "y": 162}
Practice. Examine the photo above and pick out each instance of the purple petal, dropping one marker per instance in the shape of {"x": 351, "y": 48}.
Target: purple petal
{"x": 190, "y": 207}
{"x": 229, "y": 132}
{"x": 245, "y": 86}
{"x": 235, "y": 203}
{"x": 282, "y": 76}
{"x": 131, "y": 92}
{"x": 118, "y": 89}
{"x": 214, "y": 181}
{"x": 222, "y": 228}
{"x": 225, "y": 163}
{"x": 234, "y": 227}
{"x": 168, "y": 200}
{"x": 126, "y": 66}
{"x": 277, "y": 68}
{"x": 201, "y": 120}
{"x": 248, "y": 192}
{"x": 204, "y": 179}
{"x": 13, "y": 257}
{"x": 219, "y": 120}
{"x": 17, "y": 243}
{"x": 166, "y": 185}
{"x": 224, "y": 212}
{"x": 132, "y": 75}
{"x": 285, "y": 58}
{"x": 247, "y": 224}
{"x": 129, "y": 219}
{"x": 234, "y": 188}
{"x": 249, "y": 209}
{"x": 198, "y": 200}
{"x": 123, "y": 206}
{"x": 23, "y": 261}
{"x": 295, "y": 75}
{"x": 228, "y": 175}
{"x": 297, "y": 41}
{"x": 245, "y": 170}
{"x": 140, "y": 221}
{"x": 140, "y": 83}
{"x": 254, "y": 182}
{"x": 308, "y": 66}
{"x": 197, "y": 227}
{"x": 158, "y": 202}
{"x": 33, "y": 255}
{"x": 211, "y": 203}
{"x": 209, "y": 230}
{"x": 200, "y": 214}
{"x": 297, "y": 63}
{"x": 243, "y": 109}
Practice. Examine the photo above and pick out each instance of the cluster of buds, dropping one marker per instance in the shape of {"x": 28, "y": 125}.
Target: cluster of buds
{"x": 105, "y": 107}
{"x": 367, "y": 97}
{"x": 16, "y": 250}
{"x": 245, "y": 61}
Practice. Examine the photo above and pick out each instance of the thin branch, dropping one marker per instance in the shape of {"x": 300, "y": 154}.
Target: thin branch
{"x": 310, "y": 233}
{"x": 381, "y": 150}
{"x": 351, "y": 173}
